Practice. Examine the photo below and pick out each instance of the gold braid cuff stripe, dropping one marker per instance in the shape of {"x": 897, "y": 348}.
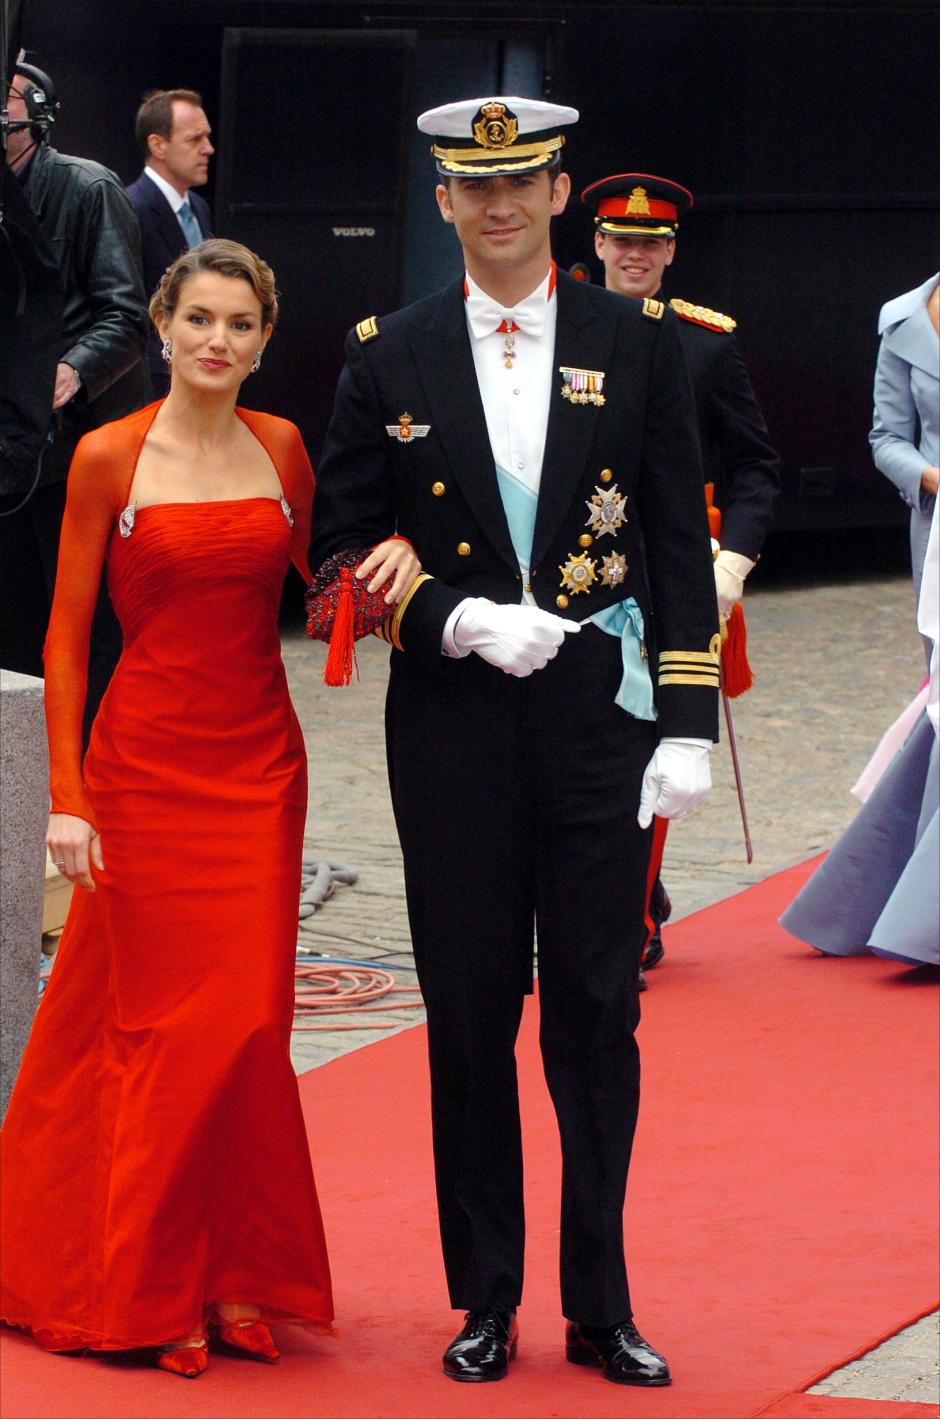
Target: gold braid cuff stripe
{"x": 402, "y": 607}
{"x": 704, "y": 680}
{"x": 689, "y": 657}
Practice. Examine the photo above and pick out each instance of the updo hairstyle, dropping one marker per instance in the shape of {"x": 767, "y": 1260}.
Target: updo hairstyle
{"x": 227, "y": 258}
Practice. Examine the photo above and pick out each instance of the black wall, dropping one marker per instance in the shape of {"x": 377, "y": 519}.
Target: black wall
{"x": 802, "y": 129}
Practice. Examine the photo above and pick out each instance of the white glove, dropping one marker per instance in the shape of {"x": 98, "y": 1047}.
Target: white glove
{"x": 730, "y": 570}
{"x": 517, "y": 639}
{"x": 678, "y": 780}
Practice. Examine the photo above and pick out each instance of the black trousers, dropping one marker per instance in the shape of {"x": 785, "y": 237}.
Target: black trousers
{"x": 516, "y": 806}
{"x": 29, "y": 550}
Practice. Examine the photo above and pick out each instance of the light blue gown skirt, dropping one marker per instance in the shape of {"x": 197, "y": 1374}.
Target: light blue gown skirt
{"x": 879, "y": 888}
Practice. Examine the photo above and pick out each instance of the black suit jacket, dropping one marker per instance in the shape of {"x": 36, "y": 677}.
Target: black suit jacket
{"x": 737, "y": 453}
{"x": 162, "y": 241}
{"x": 441, "y": 491}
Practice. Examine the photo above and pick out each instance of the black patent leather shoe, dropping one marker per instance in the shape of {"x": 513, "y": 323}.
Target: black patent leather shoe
{"x": 654, "y": 952}
{"x": 484, "y": 1347}
{"x": 619, "y": 1350}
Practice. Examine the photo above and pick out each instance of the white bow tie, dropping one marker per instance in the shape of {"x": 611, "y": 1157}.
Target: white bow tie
{"x": 486, "y": 316}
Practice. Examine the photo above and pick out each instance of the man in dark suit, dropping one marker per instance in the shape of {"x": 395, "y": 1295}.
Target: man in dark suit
{"x": 535, "y": 440}
{"x": 636, "y": 221}
{"x": 173, "y": 135}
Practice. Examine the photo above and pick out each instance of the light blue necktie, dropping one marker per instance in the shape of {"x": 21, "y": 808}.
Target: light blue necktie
{"x": 187, "y": 220}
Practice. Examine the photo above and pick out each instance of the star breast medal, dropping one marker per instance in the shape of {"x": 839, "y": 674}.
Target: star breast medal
{"x": 406, "y": 429}
{"x": 578, "y": 573}
{"x": 607, "y": 511}
{"x": 613, "y": 570}
{"x": 582, "y": 386}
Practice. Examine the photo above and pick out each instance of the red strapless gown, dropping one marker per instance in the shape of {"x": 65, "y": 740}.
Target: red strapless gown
{"x": 155, "y": 1158}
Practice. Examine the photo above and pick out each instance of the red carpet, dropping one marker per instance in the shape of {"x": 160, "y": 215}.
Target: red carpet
{"x": 782, "y": 1213}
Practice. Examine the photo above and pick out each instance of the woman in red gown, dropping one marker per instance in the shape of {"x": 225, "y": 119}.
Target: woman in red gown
{"x": 156, "y": 1119}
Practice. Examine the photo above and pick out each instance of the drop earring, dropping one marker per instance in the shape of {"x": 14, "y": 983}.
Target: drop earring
{"x": 167, "y": 351}
{"x": 256, "y": 363}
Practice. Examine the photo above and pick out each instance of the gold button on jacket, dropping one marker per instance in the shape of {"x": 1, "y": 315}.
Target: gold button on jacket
{"x": 463, "y": 549}
{"x": 438, "y": 489}
{"x": 561, "y": 601}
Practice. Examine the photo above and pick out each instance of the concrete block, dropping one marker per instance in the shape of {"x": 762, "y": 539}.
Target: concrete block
{"x": 24, "y": 805}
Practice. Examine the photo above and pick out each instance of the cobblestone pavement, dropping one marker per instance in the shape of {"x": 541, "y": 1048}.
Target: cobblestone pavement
{"x": 835, "y": 661}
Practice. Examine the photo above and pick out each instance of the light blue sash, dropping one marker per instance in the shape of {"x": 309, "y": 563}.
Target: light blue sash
{"x": 520, "y": 505}
{"x": 625, "y": 619}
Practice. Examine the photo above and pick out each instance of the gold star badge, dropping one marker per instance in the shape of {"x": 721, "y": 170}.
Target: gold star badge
{"x": 607, "y": 511}
{"x": 578, "y": 573}
{"x": 613, "y": 570}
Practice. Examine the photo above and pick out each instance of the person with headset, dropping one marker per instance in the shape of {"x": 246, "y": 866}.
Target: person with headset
{"x": 86, "y": 223}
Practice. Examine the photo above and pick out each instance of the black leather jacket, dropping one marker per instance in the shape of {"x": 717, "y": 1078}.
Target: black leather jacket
{"x": 90, "y": 228}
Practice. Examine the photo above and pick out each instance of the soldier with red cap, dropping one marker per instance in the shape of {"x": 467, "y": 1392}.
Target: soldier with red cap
{"x": 636, "y": 221}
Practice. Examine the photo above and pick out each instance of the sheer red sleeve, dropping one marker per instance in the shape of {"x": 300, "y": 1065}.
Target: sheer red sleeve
{"x": 98, "y": 478}
{"x": 298, "y": 479}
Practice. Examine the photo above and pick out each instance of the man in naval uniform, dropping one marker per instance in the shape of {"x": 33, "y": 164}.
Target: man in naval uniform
{"x": 636, "y": 221}
{"x": 554, "y": 683}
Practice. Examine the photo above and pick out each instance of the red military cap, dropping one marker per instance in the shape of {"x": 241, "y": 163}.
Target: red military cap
{"x": 637, "y": 203}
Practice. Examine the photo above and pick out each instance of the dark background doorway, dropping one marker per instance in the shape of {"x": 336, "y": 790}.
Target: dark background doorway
{"x": 802, "y": 130}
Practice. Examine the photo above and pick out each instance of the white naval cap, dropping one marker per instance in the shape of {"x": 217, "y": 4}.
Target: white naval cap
{"x": 494, "y": 136}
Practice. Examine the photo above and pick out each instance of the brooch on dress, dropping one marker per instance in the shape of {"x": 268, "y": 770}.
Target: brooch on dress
{"x": 126, "y": 520}
{"x": 285, "y": 509}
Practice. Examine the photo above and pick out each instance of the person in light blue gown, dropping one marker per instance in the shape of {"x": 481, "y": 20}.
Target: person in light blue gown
{"x": 879, "y": 888}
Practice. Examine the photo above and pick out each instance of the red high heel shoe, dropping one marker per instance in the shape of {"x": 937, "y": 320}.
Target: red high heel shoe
{"x": 246, "y": 1336}
{"x": 189, "y": 1360}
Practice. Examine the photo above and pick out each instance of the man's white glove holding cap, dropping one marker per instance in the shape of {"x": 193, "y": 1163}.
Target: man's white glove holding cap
{"x": 516, "y": 639}
{"x": 677, "y": 780}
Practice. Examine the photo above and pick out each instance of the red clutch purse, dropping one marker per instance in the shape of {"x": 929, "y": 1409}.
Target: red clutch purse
{"x": 340, "y": 611}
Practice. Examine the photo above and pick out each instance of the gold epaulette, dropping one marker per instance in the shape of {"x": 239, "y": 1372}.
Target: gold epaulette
{"x": 701, "y": 315}
{"x": 691, "y": 667}
{"x": 653, "y": 309}
{"x": 367, "y": 329}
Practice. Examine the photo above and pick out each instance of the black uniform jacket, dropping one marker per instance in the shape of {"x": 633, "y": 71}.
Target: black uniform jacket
{"x": 88, "y": 225}
{"x": 162, "y": 241}
{"x": 737, "y": 453}
{"x": 440, "y": 489}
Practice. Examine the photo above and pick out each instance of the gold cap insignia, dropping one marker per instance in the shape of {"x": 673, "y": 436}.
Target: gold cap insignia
{"x": 638, "y": 206}
{"x": 496, "y": 127}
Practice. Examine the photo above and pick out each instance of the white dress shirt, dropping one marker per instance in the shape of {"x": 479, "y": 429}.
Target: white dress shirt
{"x": 169, "y": 191}
{"x": 516, "y": 399}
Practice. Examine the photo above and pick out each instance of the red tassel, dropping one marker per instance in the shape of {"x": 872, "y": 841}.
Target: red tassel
{"x": 736, "y": 673}
{"x": 714, "y": 513}
{"x": 339, "y": 660}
